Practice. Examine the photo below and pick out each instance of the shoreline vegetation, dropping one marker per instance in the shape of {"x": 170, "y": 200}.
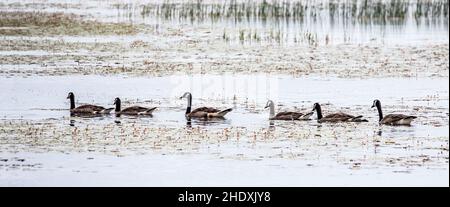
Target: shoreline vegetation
{"x": 44, "y": 24}
{"x": 365, "y": 11}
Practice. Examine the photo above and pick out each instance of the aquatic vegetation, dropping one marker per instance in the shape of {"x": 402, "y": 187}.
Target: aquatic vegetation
{"x": 279, "y": 15}
{"x": 41, "y": 23}
{"x": 377, "y": 11}
{"x": 433, "y": 9}
{"x": 22, "y": 57}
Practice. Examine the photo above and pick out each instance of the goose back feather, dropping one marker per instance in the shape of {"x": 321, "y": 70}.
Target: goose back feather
{"x": 132, "y": 110}
{"x": 286, "y": 115}
{"x": 392, "y": 119}
{"x": 336, "y": 117}
{"x": 203, "y": 112}
{"x": 86, "y": 109}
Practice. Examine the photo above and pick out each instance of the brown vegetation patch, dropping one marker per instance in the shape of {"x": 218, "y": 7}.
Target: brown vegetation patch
{"x": 41, "y": 23}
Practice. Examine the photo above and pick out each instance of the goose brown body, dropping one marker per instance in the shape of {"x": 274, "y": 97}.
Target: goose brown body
{"x": 133, "y": 110}
{"x": 203, "y": 112}
{"x": 392, "y": 119}
{"x": 336, "y": 117}
{"x": 87, "y": 109}
{"x": 286, "y": 115}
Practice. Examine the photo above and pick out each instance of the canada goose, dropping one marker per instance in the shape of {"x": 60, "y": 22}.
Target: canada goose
{"x": 392, "y": 119}
{"x": 133, "y": 110}
{"x": 336, "y": 117}
{"x": 87, "y": 109}
{"x": 203, "y": 112}
{"x": 286, "y": 115}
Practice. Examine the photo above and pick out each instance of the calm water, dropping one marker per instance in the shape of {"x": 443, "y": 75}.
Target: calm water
{"x": 45, "y": 97}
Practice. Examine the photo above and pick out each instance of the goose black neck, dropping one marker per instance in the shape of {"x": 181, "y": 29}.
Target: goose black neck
{"x": 118, "y": 105}
{"x": 380, "y": 112}
{"x": 188, "y": 109}
{"x": 319, "y": 111}
{"x": 271, "y": 110}
{"x": 72, "y": 102}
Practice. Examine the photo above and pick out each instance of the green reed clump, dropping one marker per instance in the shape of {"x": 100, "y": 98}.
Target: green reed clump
{"x": 431, "y": 9}
{"x": 367, "y": 11}
{"x": 241, "y": 35}
{"x": 377, "y": 11}
{"x": 270, "y": 36}
{"x": 279, "y": 13}
{"x": 228, "y": 9}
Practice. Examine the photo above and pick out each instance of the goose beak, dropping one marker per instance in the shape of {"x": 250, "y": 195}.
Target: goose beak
{"x": 265, "y": 107}
{"x": 181, "y": 97}
{"x": 372, "y": 106}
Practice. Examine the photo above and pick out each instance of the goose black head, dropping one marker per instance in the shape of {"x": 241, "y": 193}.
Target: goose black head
{"x": 318, "y": 110}
{"x": 117, "y": 101}
{"x": 376, "y": 103}
{"x": 70, "y": 95}
{"x": 185, "y": 95}
{"x": 315, "y": 106}
{"x": 118, "y": 104}
{"x": 268, "y": 104}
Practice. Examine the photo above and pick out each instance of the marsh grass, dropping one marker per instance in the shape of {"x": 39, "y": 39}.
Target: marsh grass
{"x": 364, "y": 11}
{"x": 270, "y": 36}
{"x": 40, "y": 23}
{"x": 278, "y": 15}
